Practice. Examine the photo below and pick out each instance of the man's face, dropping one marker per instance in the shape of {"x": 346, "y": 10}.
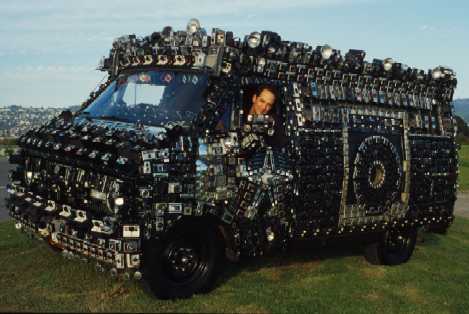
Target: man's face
{"x": 262, "y": 103}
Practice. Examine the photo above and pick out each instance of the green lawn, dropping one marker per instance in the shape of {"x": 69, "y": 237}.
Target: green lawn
{"x": 5, "y": 150}
{"x": 464, "y": 168}
{"x": 436, "y": 280}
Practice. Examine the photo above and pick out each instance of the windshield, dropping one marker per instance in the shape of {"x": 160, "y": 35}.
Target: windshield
{"x": 151, "y": 97}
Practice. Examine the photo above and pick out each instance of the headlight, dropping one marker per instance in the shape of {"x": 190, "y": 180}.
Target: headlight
{"x": 119, "y": 201}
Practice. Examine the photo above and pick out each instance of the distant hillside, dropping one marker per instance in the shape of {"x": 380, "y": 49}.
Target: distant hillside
{"x": 463, "y": 131}
{"x": 461, "y": 107}
{"x": 16, "y": 120}
{"x": 74, "y": 108}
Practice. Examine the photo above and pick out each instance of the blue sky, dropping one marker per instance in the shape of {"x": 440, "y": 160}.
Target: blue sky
{"x": 49, "y": 49}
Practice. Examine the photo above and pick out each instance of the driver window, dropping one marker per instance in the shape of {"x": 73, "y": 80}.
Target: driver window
{"x": 261, "y": 99}
{"x": 264, "y": 114}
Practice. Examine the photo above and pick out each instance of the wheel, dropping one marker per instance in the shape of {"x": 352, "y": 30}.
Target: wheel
{"x": 395, "y": 247}
{"x": 186, "y": 262}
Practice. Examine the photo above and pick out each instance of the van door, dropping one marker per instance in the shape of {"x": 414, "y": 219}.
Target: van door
{"x": 263, "y": 203}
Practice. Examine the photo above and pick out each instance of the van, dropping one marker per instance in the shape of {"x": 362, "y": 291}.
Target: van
{"x": 201, "y": 147}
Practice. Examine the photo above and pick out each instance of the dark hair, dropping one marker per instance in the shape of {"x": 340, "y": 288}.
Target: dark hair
{"x": 269, "y": 88}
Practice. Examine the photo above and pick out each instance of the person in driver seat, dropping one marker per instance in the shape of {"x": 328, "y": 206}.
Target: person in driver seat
{"x": 264, "y": 102}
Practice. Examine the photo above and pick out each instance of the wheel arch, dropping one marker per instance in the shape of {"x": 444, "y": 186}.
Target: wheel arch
{"x": 204, "y": 222}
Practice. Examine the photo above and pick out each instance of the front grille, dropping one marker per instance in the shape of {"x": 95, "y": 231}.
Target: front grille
{"x": 99, "y": 206}
{"x": 71, "y": 186}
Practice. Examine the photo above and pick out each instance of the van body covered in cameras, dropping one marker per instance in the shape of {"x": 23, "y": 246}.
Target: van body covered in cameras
{"x": 201, "y": 147}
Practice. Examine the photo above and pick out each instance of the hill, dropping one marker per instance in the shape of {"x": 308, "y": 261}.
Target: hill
{"x": 461, "y": 108}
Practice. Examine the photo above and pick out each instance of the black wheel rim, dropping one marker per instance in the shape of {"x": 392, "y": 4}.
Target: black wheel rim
{"x": 184, "y": 260}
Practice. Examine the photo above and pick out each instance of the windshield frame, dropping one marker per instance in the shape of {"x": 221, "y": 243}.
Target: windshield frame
{"x": 83, "y": 113}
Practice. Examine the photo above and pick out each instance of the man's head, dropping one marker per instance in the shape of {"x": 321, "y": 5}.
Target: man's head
{"x": 263, "y": 100}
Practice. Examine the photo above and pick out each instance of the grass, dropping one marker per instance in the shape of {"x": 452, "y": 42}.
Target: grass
{"x": 33, "y": 278}
{"x": 5, "y": 150}
{"x": 464, "y": 168}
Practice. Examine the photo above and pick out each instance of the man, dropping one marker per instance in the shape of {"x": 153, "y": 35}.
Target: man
{"x": 263, "y": 103}
{"x": 263, "y": 100}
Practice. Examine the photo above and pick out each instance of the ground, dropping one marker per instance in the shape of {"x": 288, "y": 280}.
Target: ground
{"x": 33, "y": 278}
{"x": 328, "y": 280}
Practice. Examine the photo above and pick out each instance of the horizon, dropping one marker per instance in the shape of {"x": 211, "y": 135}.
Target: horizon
{"x": 53, "y": 48}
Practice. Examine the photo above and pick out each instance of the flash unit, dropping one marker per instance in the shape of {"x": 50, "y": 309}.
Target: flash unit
{"x": 388, "y": 62}
{"x": 193, "y": 26}
{"x": 326, "y": 52}
{"x": 254, "y": 39}
{"x": 448, "y": 73}
{"x": 437, "y": 73}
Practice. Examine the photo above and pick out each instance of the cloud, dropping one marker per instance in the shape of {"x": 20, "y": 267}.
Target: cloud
{"x": 427, "y": 28}
{"x": 32, "y": 27}
{"x": 42, "y": 38}
{"x": 152, "y": 8}
{"x": 47, "y": 71}
{"x": 36, "y": 16}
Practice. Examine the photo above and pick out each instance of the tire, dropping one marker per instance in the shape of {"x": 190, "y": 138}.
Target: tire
{"x": 395, "y": 248}
{"x": 439, "y": 229}
{"x": 186, "y": 262}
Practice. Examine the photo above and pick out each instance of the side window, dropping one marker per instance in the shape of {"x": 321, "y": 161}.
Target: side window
{"x": 263, "y": 114}
{"x": 262, "y": 99}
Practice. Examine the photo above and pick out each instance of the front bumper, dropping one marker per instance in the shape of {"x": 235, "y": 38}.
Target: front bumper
{"x": 112, "y": 252}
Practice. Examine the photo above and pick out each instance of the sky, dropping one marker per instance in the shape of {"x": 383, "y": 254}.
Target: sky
{"x": 50, "y": 49}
